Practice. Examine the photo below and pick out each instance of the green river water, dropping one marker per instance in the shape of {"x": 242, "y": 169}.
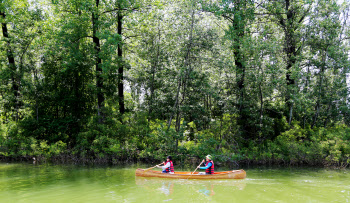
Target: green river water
{"x": 24, "y": 182}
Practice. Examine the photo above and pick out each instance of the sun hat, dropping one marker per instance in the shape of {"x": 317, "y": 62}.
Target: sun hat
{"x": 208, "y": 156}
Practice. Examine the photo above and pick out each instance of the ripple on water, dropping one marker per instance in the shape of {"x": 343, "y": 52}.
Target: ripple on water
{"x": 28, "y": 183}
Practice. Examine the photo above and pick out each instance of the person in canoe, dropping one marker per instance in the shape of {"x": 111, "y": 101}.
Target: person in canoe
{"x": 209, "y": 166}
{"x": 168, "y": 166}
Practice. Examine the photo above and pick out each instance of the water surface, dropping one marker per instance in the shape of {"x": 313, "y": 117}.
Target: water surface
{"x": 23, "y": 182}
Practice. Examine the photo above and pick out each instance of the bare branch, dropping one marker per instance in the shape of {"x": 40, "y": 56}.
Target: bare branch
{"x": 132, "y": 36}
{"x": 306, "y": 12}
{"x": 269, "y": 14}
{"x": 120, "y": 9}
{"x": 227, "y": 17}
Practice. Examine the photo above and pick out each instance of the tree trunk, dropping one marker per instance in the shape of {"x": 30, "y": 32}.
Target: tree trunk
{"x": 238, "y": 26}
{"x": 12, "y": 65}
{"x": 153, "y": 72}
{"x": 319, "y": 96}
{"x": 327, "y": 116}
{"x": 290, "y": 49}
{"x": 120, "y": 68}
{"x": 154, "y": 69}
{"x": 36, "y": 94}
{"x": 305, "y": 92}
{"x": 182, "y": 79}
{"x": 98, "y": 64}
{"x": 176, "y": 102}
{"x": 261, "y": 106}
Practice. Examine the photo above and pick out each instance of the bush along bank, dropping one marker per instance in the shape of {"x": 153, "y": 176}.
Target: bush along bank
{"x": 297, "y": 147}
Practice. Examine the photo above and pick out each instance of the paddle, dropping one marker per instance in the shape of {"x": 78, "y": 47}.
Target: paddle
{"x": 198, "y": 167}
{"x": 153, "y": 167}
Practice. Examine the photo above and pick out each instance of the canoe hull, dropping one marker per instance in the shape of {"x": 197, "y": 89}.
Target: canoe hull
{"x": 235, "y": 174}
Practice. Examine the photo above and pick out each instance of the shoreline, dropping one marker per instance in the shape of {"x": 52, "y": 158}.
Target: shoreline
{"x": 191, "y": 161}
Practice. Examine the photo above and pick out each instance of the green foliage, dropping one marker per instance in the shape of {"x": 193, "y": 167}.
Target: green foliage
{"x": 42, "y": 148}
{"x": 329, "y": 147}
{"x": 263, "y": 82}
{"x": 14, "y": 144}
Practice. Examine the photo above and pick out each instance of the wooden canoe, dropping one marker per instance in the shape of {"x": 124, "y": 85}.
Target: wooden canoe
{"x": 235, "y": 174}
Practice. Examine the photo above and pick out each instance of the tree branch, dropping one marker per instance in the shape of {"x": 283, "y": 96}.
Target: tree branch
{"x": 304, "y": 15}
{"x": 270, "y": 14}
{"x": 120, "y": 9}
{"x": 227, "y": 17}
{"x": 82, "y": 38}
{"x": 128, "y": 37}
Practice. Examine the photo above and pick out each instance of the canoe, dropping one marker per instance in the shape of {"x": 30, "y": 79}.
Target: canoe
{"x": 235, "y": 174}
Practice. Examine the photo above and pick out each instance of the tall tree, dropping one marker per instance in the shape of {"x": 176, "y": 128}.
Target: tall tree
{"x": 290, "y": 16}
{"x": 328, "y": 62}
{"x": 98, "y": 63}
{"x": 13, "y": 72}
{"x": 122, "y": 9}
{"x": 238, "y": 14}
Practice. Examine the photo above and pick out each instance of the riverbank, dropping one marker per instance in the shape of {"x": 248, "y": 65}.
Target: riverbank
{"x": 189, "y": 162}
{"x": 296, "y": 147}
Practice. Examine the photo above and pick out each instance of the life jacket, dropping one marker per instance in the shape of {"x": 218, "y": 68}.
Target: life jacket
{"x": 171, "y": 168}
{"x": 210, "y": 170}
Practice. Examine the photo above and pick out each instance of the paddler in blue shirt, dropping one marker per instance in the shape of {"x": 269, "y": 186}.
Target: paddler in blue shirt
{"x": 209, "y": 166}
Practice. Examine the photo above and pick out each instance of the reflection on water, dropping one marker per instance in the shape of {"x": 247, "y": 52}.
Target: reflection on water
{"x": 202, "y": 187}
{"x": 69, "y": 183}
{"x": 208, "y": 190}
{"x": 167, "y": 188}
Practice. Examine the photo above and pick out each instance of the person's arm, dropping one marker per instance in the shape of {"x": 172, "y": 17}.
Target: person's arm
{"x": 158, "y": 166}
{"x": 166, "y": 166}
{"x": 205, "y": 167}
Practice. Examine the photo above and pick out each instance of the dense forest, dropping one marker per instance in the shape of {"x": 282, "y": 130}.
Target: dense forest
{"x": 247, "y": 81}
